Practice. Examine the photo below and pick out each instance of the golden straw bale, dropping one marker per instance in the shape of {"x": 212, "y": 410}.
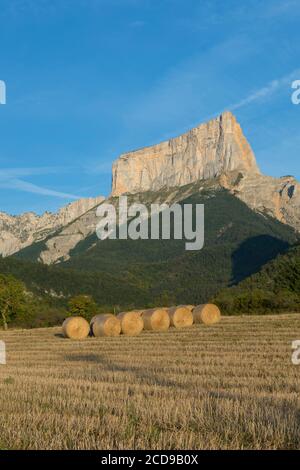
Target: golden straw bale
{"x": 181, "y": 316}
{"x": 156, "y": 319}
{"x": 190, "y": 307}
{"x": 96, "y": 316}
{"x": 209, "y": 314}
{"x": 75, "y": 328}
{"x": 105, "y": 324}
{"x": 132, "y": 323}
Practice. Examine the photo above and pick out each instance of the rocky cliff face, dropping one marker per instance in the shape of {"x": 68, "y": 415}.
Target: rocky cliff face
{"x": 212, "y": 156}
{"x": 58, "y": 247}
{"x": 17, "y": 232}
{"x": 216, "y": 149}
{"x": 207, "y": 151}
{"x": 277, "y": 197}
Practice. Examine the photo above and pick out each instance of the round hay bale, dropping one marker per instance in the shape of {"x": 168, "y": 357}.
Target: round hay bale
{"x": 156, "y": 319}
{"x": 131, "y": 323}
{"x": 96, "y": 316}
{"x": 181, "y": 316}
{"x": 105, "y": 325}
{"x": 209, "y": 314}
{"x": 76, "y": 328}
{"x": 190, "y": 307}
{"x": 140, "y": 312}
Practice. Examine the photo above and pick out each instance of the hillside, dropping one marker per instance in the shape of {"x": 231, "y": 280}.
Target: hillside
{"x": 238, "y": 241}
{"x": 215, "y": 154}
{"x": 275, "y": 288}
{"x": 17, "y": 232}
{"x": 55, "y": 285}
{"x": 126, "y": 273}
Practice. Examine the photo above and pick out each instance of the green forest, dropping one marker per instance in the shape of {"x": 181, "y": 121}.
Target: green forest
{"x": 276, "y": 288}
{"x": 249, "y": 263}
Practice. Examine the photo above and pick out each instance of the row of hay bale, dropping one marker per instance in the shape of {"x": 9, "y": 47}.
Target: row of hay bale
{"x": 132, "y": 323}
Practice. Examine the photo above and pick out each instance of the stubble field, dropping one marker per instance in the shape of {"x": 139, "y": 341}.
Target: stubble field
{"x": 231, "y": 386}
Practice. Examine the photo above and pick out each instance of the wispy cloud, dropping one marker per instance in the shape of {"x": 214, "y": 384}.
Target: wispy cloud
{"x": 102, "y": 168}
{"x": 10, "y": 179}
{"x": 8, "y": 173}
{"x": 282, "y": 7}
{"x": 43, "y": 8}
{"x": 137, "y": 24}
{"x": 189, "y": 86}
{"x": 217, "y": 14}
{"x": 261, "y": 94}
{"x": 22, "y": 185}
{"x": 266, "y": 91}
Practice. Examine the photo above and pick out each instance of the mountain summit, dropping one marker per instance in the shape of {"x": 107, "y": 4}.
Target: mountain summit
{"x": 207, "y": 151}
{"x": 211, "y": 157}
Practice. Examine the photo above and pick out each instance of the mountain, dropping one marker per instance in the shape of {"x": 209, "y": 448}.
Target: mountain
{"x": 238, "y": 241}
{"x": 17, "y": 232}
{"x": 277, "y": 197}
{"x": 207, "y": 151}
{"x": 214, "y": 154}
{"x": 217, "y": 148}
{"x": 250, "y": 218}
{"x": 275, "y": 288}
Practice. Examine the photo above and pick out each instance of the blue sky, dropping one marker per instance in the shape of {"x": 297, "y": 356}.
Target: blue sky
{"x": 90, "y": 79}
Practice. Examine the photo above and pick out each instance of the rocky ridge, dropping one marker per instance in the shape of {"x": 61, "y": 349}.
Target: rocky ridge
{"x": 276, "y": 197}
{"x": 17, "y": 232}
{"x": 212, "y": 156}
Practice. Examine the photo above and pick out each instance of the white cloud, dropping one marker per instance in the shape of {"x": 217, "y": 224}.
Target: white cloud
{"x": 10, "y": 179}
{"x": 280, "y": 8}
{"x": 266, "y": 91}
{"x": 188, "y": 87}
{"x": 21, "y": 185}
{"x": 8, "y": 173}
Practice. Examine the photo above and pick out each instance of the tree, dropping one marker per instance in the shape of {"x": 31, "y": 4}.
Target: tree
{"x": 83, "y": 306}
{"x": 12, "y": 299}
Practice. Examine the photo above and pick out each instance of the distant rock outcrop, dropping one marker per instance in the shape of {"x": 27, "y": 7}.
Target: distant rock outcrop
{"x": 17, "y": 232}
{"x": 277, "y": 197}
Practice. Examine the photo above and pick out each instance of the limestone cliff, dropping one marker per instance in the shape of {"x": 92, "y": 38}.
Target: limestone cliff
{"x": 214, "y": 155}
{"x": 17, "y": 232}
{"x": 216, "y": 149}
{"x": 277, "y": 197}
{"x": 204, "y": 152}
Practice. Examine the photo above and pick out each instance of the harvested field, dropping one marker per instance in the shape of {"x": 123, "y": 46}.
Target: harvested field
{"x": 228, "y": 386}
